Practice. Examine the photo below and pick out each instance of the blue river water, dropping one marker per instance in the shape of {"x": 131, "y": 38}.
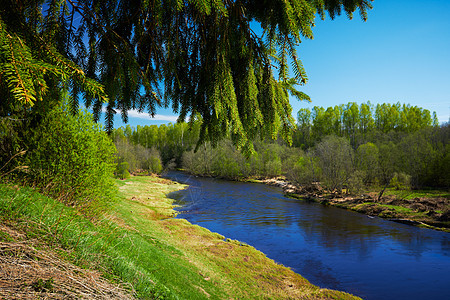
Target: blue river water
{"x": 331, "y": 247}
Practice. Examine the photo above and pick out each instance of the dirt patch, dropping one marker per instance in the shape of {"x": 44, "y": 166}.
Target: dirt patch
{"x": 30, "y": 273}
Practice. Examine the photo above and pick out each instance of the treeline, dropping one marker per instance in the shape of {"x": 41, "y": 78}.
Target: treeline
{"x": 269, "y": 160}
{"x": 152, "y": 148}
{"x": 359, "y": 123}
{"x": 409, "y": 160}
{"x": 343, "y": 147}
{"x": 173, "y": 146}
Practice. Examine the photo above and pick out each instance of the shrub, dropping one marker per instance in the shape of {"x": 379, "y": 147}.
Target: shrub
{"x": 154, "y": 164}
{"x": 71, "y": 158}
{"x": 137, "y": 157}
{"x": 401, "y": 181}
{"x": 356, "y": 182}
{"x": 122, "y": 170}
{"x": 305, "y": 169}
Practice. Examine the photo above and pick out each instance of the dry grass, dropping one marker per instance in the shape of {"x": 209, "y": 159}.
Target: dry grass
{"x": 158, "y": 254}
{"x": 241, "y": 271}
{"x": 27, "y": 272}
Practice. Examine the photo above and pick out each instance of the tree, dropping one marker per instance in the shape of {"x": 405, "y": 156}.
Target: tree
{"x": 417, "y": 155}
{"x": 385, "y": 117}
{"x": 303, "y": 128}
{"x": 367, "y": 157}
{"x": 366, "y": 119}
{"x": 304, "y": 169}
{"x": 337, "y": 113}
{"x": 335, "y": 156}
{"x": 387, "y": 164}
{"x": 351, "y": 120}
{"x": 201, "y": 57}
{"x": 321, "y": 123}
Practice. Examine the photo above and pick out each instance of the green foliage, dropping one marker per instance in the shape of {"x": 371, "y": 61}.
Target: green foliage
{"x": 304, "y": 169}
{"x": 226, "y": 162}
{"x": 122, "y": 170}
{"x": 11, "y": 145}
{"x": 387, "y": 162}
{"x": 154, "y": 164}
{"x": 71, "y": 158}
{"x": 28, "y": 74}
{"x": 335, "y": 157}
{"x": 417, "y": 156}
{"x": 135, "y": 158}
{"x": 270, "y": 160}
{"x": 358, "y": 123}
{"x": 170, "y": 140}
{"x": 43, "y": 286}
{"x": 205, "y": 55}
{"x": 356, "y": 182}
{"x": 421, "y": 153}
{"x": 367, "y": 157}
{"x": 401, "y": 181}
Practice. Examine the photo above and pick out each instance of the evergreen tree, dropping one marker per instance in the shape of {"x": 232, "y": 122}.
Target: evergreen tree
{"x": 201, "y": 57}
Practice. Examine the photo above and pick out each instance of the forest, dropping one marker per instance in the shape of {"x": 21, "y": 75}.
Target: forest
{"x": 229, "y": 70}
{"x": 349, "y": 147}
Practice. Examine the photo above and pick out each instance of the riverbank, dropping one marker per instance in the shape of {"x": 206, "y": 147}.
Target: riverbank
{"x": 140, "y": 248}
{"x": 428, "y": 209}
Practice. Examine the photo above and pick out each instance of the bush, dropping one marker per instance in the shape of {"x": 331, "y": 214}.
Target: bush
{"x": 122, "y": 170}
{"x": 71, "y": 158}
{"x": 154, "y": 164}
{"x": 137, "y": 157}
{"x": 356, "y": 182}
{"x": 305, "y": 169}
{"x": 401, "y": 181}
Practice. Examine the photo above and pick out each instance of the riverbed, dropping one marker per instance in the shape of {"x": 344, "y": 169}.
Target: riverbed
{"x": 331, "y": 247}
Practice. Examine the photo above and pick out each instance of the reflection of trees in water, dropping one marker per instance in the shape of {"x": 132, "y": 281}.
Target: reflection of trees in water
{"x": 273, "y": 212}
{"x": 340, "y": 231}
{"x": 445, "y": 247}
{"x": 332, "y": 228}
{"x": 318, "y": 272}
{"x": 414, "y": 242}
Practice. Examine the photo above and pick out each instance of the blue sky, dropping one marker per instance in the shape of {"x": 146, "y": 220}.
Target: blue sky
{"x": 401, "y": 54}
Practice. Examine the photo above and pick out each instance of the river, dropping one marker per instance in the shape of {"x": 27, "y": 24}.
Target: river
{"x": 331, "y": 247}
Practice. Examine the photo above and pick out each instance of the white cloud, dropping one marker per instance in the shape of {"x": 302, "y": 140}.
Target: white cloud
{"x": 143, "y": 115}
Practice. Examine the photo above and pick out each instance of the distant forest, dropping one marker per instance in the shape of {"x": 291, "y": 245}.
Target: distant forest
{"x": 349, "y": 147}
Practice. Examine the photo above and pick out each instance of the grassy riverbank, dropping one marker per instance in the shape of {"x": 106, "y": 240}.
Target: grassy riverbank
{"x": 138, "y": 248}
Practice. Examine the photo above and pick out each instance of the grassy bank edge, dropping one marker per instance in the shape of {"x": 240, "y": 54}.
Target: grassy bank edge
{"x": 137, "y": 242}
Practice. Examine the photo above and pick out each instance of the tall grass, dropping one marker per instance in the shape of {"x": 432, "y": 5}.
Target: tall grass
{"x": 120, "y": 254}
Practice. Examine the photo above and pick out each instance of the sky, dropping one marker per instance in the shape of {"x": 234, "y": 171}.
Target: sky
{"x": 400, "y": 54}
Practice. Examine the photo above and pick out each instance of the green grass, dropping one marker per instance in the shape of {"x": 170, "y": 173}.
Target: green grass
{"x": 102, "y": 244}
{"x": 138, "y": 242}
{"x": 401, "y": 209}
{"x": 412, "y": 194}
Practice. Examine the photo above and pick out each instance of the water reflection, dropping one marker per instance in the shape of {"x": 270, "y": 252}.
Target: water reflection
{"x": 331, "y": 247}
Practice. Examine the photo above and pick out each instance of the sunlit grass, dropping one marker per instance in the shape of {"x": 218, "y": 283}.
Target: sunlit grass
{"x": 412, "y": 194}
{"x": 138, "y": 242}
